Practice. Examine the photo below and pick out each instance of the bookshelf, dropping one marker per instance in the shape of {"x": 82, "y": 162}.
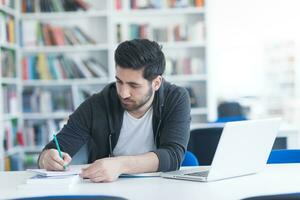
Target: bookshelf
{"x": 65, "y": 58}
{"x": 10, "y": 87}
{"x": 55, "y": 74}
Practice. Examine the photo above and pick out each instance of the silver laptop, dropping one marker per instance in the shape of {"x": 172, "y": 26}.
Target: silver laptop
{"x": 243, "y": 149}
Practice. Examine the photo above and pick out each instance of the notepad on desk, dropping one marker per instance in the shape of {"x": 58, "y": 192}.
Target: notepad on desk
{"x": 58, "y": 180}
{"x": 44, "y": 172}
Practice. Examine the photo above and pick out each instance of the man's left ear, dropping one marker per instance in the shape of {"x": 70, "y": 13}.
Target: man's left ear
{"x": 156, "y": 83}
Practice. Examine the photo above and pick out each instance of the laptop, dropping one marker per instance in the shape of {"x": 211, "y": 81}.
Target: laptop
{"x": 243, "y": 149}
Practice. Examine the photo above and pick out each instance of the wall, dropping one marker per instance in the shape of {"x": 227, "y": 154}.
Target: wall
{"x": 237, "y": 33}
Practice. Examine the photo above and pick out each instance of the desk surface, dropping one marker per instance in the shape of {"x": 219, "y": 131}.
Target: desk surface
{"x": 274, "y": 179}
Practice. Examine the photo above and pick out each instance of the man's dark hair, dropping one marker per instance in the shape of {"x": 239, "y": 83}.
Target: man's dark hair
{"x": 141, "y": 54}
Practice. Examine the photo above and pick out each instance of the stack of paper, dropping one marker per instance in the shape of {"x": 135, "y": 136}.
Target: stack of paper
{"x": 58, "y": 180}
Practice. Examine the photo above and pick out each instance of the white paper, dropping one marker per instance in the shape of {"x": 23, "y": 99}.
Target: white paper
{"x": 44, "y": 172}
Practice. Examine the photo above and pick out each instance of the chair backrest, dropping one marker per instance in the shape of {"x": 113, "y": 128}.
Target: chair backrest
{"x": 230, "y": 111}
{"x": 284, "y": 156}
{"x": 203, "y": 143}
{"x": 190, "y": 159}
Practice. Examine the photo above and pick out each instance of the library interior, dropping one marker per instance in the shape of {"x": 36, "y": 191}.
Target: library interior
{"x": 237, "y": 60}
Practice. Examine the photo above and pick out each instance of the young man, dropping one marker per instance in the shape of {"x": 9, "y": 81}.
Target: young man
{"x": 138, "y": 124}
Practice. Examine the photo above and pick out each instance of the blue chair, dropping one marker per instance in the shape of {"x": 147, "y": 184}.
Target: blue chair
{"x": 190, "y": 159}
{"x": 230, "y": 119}
{"x": 203, "y": 143}
{"x": 284, "y": 156}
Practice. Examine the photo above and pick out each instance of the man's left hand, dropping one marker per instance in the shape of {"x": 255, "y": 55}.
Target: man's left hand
{"x": 103, "y": 170}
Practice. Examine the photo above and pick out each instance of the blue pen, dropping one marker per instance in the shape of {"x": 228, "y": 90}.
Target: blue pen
{"x": 58, "y": 148}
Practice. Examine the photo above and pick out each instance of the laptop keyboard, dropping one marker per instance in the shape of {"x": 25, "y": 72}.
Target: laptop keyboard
{"x": 202, "y": 174}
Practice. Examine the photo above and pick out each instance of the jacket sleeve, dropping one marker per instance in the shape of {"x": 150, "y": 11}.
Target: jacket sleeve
{"x": 76, "y": 132}
{"x": 175, "y": 131}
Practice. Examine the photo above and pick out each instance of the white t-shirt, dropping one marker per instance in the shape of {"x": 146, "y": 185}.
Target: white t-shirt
{"x": 136, "y": 136}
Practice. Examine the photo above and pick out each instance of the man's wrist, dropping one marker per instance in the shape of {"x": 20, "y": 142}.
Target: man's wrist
{"x": 123, "y": 164}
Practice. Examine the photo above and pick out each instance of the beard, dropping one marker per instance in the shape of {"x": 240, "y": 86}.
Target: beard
{"x": 135, "y": 105}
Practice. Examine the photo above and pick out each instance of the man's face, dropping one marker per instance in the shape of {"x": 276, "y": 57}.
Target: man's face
{"x": 133, "y": 89}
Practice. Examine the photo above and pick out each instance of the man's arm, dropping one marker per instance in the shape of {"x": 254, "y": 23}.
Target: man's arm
{"x": 109, "y": 169}
{"x": 73, "y": 135}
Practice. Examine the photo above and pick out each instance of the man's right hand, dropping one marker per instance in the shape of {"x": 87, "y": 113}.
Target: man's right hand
{"x": 50, "y": 160}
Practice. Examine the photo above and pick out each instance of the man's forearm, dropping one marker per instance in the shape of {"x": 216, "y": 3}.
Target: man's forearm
{"x": 147, "y": 162}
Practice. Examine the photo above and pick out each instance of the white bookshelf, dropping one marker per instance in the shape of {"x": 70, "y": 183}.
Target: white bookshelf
{"x": 9, "y": 81}
{"x": 94, "y": 23}
{"x": 65, "y": 15}
{"x": 160, "y": 11}
{"x": 62, "y": 82}
{"x": 8, "y": 10}
{"x": 100, "y": 24}
{"x": 66, "y": 49}
{"x": 45, "y": 116}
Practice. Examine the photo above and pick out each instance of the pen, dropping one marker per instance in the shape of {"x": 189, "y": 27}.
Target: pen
{"x": 58, "y": 148}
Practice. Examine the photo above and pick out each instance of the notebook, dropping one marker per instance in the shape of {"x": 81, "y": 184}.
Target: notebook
{"x": 44, "y": 172}
{"x": 58, "y": 180}
{"x": 243, "y": 149}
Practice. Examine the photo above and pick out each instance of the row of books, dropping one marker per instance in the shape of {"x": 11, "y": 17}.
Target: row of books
{"x": 38, "y": 133}
{"x": 9, "y": 99}
{"x": 14, "y": 162}
{"x": 7, "y": 63}
{"x": 47, "y": 100}
{"x": 30, "y": 160}
{"x": 30, "y": 6}
{"x": 197, "y": 93}
{"x": 55, "y": 67}
{"x": 12, "y": 134}
{"x": 45, "y": 34}
{"x": 184, "y": 66}
{"x": 163, "y": 33}
{"x": 159, "y": 4}
{"x": 8, "y": 3}
{"x": 86, "y": 91}
{"x": 7, "y": 28}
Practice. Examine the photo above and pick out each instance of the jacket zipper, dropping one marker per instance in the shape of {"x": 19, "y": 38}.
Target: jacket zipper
{"x": 110, "y": 146}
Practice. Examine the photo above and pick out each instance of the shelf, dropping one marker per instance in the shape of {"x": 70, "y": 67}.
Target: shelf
{"x": 66, "y": 82}
{"x": 158, "y": 12}
{"x": 14, "y": 150}
{"x": 65, "y": 49}
{"x": 50, "y": 115}
{"x": 186, "y": 77}
{"x": 64, "y": 15}
{"x": 11, "y": 116}
{"x": 35, "y": 149}
{"x": 198, "y": 111}
{"x": 8, "y": 10}
{"x": 4, "y": 80}
{"x": 9, "y": 46}
{"x": 182, "y": 44}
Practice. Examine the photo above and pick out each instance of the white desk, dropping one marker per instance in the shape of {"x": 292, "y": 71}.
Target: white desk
{"x": 274, "y": 179}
